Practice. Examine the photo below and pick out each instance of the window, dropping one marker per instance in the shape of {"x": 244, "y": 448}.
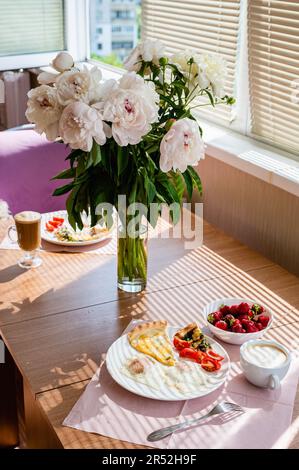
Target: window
{"x": 120, "y": 23}
{"x": 122, "y": 45}
{"x": 116, "y": 29}
{"x": 259, "y": 40}
{"x": 122, "y": 14}
{"x": 274, "y": 71}
{"x": 100, "y": 30}
{"x": 100, "y": 47}
{"x": 31, "y": 26}
{"x": 33, "y": 31}
{"x": 200, "y": 26}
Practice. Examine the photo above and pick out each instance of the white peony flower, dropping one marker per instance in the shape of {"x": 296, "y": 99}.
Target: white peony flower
{"x": 181, "y": 146}
{"x": 78, "y": 85}
{"x": 133, "y": 62}
{"x": 4, "y": 210}
{"x": 150, "y": 50}
{"x": 212, "y": 72}
{"x": 181, "y": 59}
{"x": 62, "y": 62}
{"x": 44, "y": 110}
{"x": 131, "y": 108}
{"x": 79, "y": 125}
{"x": 46, "y": 78}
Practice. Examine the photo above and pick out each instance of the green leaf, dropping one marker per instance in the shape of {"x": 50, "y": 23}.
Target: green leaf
{"x": 64, "y": 175}
{"x": 165, "y": 181}
{"x": 150, "y": 189}
{"x": 211, "y": 97}
{"x": 96, "y": 153}
{"x": 132, "y": 195}
{"x": 189, "y": 183}
{"x": 63, "y": 189}
{"x": 122, "y": 160}
{"x": 196, "y": 179}
{"x": 179, "y": 184}
{"x": 70, "y": 203}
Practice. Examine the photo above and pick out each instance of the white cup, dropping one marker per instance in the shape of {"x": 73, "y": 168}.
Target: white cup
{"x": 261, "y": 368}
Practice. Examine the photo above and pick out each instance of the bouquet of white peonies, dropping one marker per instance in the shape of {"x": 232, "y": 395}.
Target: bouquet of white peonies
{"x": 135, "y": 136}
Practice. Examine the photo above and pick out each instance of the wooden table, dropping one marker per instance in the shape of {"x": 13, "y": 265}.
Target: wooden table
{"x": 57, "y": 321}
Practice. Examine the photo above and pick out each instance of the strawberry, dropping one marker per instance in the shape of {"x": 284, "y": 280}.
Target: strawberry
{"x": 234, "y": 310}
{"x": 243, "y": 316}
{"x": 256, "y": 308}
{"x": 264, "y": 320}
{"x": 245, "y": 322}
{"x": 259, "y": 326}
{"x": 214, "y": 317}
{"x": 237, "y": 328}
{"x": 244, "y": 307}
{"x": 224, "y": 309}
{"x": 252, "y": 329}
{"x": 230, "y": 319}
{"x": 221, "y": 324}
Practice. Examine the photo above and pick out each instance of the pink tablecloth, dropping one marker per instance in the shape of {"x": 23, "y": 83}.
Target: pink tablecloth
{"x": 106, "y": 408}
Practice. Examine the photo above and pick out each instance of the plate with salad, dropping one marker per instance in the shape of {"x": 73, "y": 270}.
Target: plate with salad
{"x": 56, "y": 229}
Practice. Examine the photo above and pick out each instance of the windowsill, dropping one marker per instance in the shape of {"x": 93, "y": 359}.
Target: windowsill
{"x": 253, "y": 157}
{"x": 244, "y": 153}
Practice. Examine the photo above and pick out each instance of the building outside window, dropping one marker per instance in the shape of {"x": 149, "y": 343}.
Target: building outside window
{"x": 119, "y": 21}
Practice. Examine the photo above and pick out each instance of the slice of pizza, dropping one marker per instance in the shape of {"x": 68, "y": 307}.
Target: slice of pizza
{"x": 152, "y": 339}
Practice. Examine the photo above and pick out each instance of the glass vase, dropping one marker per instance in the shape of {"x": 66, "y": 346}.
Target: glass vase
{"x": 132, "y": 259}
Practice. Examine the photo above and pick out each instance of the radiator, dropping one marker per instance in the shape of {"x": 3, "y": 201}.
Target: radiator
{"x": 16, "y": 87}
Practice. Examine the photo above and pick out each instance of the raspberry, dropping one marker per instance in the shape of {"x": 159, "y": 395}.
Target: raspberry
{"x": 264, "y": 320}
{"x": 230, "y": 319}
{"x": 244, "y": 307}
{"x": 221, "y": 324}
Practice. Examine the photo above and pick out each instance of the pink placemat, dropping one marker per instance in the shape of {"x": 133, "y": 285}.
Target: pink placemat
{"x": 106, "y": 408}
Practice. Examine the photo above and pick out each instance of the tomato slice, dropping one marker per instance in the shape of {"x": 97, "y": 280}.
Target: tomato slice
{"x": 180, "y": 344}
{"x": 214, "y": 355}
{"x": 54, "y": 223}
{"x": 58, "y": 219}
{"x": 49, "y": 227}
{"x": 190, "y": 353}
{"x": 209, "y": 364}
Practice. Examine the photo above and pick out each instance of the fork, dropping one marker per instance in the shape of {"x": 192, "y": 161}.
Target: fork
{"x": 224, "y": 407}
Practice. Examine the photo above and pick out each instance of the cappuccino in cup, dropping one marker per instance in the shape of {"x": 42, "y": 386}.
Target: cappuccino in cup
{"x": 28, "y": 227}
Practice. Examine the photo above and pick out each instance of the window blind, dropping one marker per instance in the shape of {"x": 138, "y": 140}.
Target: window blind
{"x": 31, "y": 26}
{"x": 202, "y": 26}
{"x": 273, "y": 34}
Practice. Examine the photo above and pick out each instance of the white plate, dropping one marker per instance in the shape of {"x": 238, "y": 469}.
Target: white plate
{"x": 50, "y": 237}
{"x": 121, "y": 350}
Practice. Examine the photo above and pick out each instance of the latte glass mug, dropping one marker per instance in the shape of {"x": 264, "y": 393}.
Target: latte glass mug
{"x": 264, "y": 362}
{"x": 27, "y": 231}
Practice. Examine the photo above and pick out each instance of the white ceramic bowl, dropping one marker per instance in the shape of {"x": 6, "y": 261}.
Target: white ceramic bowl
{"x": 230, "y": 336}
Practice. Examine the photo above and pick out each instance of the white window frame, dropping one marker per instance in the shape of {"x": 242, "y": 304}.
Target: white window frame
{"x": 76, "y": 39}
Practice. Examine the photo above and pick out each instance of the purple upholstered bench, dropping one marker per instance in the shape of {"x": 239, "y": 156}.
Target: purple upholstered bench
{"x": 27, "y": 164}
